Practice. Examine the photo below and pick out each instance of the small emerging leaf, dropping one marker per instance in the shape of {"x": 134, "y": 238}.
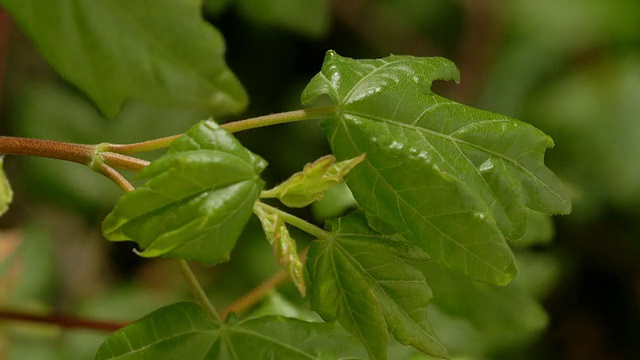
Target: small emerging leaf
{"x": 196, "y": 199}
{"x": 454, "y": 180}
{"x": 284, "y": 246}
{"x": 309, "y": 185}
{"x": 363, "y": 279}
{"x": 6, "y": 194}
{"x": 184, "y": 331}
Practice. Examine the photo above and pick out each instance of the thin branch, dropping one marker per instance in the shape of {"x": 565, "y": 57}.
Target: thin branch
{"x": 235, "y": 126}
{"x": 254, "y": 296}
{"x": 124, "y": 161}
{"x": 61, "y": 321}
{"x": 378, "y": 25}
{"x": 143, "y": 146}
{"x": 478, "y": 48}
{"x": 296, "y": 221}
{"x": 79, "y": 153}
{"x": 197, "y": 291}
{"x": 258, "y": 293}
{"x": 279, "y": 118}
{"x": 115, "y": 176}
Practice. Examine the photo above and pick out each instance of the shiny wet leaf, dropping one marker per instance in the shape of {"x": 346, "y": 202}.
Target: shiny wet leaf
{"x": 454, "y": 180}
{"x": 195, "y": 201}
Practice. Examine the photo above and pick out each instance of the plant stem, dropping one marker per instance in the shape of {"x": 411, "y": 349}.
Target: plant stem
{"x": 197, "y": 291}
{"x": 61, "y": 321}
{"x": 254, "y": 296}
{"x": 124, "y": 161}
{"x": 115, "y": 176}
{"x": 296, "y": 221}
{"x": 235, "y": 126}
{"x": 279, "y": 118}
{"x": 78, "y": 153}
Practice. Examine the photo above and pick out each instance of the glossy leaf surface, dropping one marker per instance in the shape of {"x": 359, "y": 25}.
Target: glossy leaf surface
{"x": 452, "y": 179}
{"x": 184, "y": 331}
{"x": 115, "y": 50}
{"x": 362, "y": 279}
{"x": 195, "y": 201}
{"x": 6, "y": 194}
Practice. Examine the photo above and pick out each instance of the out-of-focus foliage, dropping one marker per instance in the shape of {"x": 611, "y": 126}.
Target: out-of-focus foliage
{"x": 573, "y": 71}
{"x": 309, "y": 17}
{"x": 120, "y": 50}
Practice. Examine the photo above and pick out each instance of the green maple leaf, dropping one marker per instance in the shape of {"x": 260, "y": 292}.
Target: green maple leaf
{"x": 454, "y": 180}
{"x": 363, "y": 279}
{"x": 195, "y": 201}
{"x": 184, "y": 331}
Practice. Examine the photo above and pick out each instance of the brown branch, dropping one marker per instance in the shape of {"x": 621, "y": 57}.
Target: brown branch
{"x": 254, "y": 296}
{"x": 479, "y": 46}
{"x": 116, "y": 177}
{"x": 381, "y": 28}
{"x": 123, "y": 161}
{"x": 69, "y": 322}
{"x": 79, "y": 153}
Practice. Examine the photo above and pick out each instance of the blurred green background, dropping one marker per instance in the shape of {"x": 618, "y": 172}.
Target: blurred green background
{"x": 571, "y": 68}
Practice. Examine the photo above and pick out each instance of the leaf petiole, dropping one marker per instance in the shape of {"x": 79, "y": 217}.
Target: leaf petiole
{"x": 197, "y": 291}
{"x": 114, "y": 176}
{"x": 295, "y": 221}
{"x": 235, "y": 126}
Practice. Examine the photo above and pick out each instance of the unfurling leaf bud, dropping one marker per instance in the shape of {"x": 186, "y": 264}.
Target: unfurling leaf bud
{"x": 309, "y": 185}
{"x": 284, "y": 246}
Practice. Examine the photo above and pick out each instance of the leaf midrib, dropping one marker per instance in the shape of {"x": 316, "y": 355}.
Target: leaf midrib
{"x": 372, "y": 279}
{"x": 426, "y": 219}
{"x": 245, "y": 331}
{"x": 452, "y": 139}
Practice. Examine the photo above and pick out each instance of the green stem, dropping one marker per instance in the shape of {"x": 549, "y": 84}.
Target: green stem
{"x": 296, "y": 221}
{"x": 124, "y": 161}
{"x": 279, "y": 118}
{"x": 197, "y": 291}
{"x": 235, "y": 126}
